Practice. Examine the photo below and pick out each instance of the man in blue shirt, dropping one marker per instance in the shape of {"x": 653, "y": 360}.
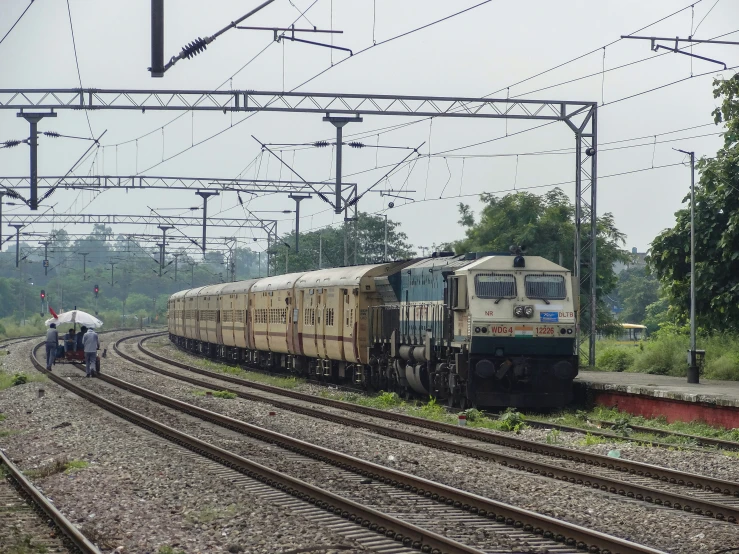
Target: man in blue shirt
{"x": 52, "y": 341}
{"x": 91, "y": 343}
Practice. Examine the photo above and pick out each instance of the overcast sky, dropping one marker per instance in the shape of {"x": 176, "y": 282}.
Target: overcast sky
{"x": 486, "y": 49}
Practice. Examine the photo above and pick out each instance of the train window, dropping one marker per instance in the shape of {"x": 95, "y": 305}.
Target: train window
{"x": 545, "y": 286}
{"x": 495, "y": 285}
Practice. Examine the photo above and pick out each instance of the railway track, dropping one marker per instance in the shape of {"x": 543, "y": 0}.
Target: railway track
{"x": 431, "y": 498}
{"x": 708, "y": 496}
{"x": 571, "y": 538}
{"x": 697, "y": 439}
{"x": 29, "y": 522}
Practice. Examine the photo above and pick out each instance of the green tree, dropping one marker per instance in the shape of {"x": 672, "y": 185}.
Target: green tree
{"x": 716, "y": 231}
{"x": 545, "y": 226}
{"x": 636, "y": 290}
{"x": 328, "y": 245}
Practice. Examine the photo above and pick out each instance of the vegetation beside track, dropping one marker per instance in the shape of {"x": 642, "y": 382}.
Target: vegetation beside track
{"x": 663, "y": 353}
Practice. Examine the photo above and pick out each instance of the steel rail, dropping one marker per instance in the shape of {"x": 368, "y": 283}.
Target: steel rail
{"x": 640, "y": 469}
{"x": 702, "y": 441}
{"x": 550, "y": 528}
{"x": 607, "y": 484}
{"x": 405, "y": 533}
{"x": 70, "y": 532}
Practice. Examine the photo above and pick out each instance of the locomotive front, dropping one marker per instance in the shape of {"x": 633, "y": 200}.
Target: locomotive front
{"x": 514, "y": 320}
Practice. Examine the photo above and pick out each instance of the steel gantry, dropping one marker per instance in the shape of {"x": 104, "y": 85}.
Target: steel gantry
{"x": 580, "y": 116}
{"x": 267, "y": 225}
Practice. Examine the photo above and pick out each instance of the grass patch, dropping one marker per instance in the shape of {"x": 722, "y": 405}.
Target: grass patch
{"x": 8, "y": 380}
{"x": 624, "y": 423}
{"x": 59, "y": 465}
{"x": 3, "y": 417}
{"x": 24, "y": 544}
{"x": 209, "y": 514}
{"x": 217, "y": 394}
{"x": 8, "y": 432}
{"x": 591, "y": 440}
{"x": 664, "y": 353}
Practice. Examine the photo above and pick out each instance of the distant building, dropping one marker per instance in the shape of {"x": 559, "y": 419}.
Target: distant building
{"x": 638, "y": 259}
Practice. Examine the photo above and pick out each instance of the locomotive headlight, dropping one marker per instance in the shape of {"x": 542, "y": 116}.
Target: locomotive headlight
{"x": 518, "y": 311}
{"x": 528, "y": 311}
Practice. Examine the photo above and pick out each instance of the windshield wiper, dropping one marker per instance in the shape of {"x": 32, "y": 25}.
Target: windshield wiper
{"x": 547, "y": 302}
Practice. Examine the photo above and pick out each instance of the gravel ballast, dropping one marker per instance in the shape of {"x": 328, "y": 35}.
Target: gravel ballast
{"x": 662, "y": 528}
{"x": 137, "y": 492}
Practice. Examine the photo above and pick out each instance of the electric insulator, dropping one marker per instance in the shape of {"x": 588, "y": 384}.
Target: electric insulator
{"x": 11, "y": 143}
{"x": 356, "y": 144}
{"x": 52, "y": 134}
{"x": 240, "y": 200}
{"x": 194, "y": 48}
{"x": 320, "y": 144}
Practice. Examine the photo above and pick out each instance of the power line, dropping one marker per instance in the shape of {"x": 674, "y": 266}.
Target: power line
{"x": 77, "y": 63}
{"x": 228, "y": 80}
{"x": 704, "y": 17}
{"x": 16, "y": 22}
{"x": 218, "y": 133}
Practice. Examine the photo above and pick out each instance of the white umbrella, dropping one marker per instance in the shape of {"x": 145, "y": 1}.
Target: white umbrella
{"x": 75, "y": 316}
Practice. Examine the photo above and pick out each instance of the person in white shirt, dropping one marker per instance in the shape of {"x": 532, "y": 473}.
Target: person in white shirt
{"x": 91, "y": 343}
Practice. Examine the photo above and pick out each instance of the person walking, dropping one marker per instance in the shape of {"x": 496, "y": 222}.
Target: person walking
{"x": 52, "y": 341}
{"x": 91, "y": 343}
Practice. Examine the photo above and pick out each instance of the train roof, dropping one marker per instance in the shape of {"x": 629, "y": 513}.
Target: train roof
{"x": 339, "y": 276}
{"x": 238, "y": 286}
{"x": 211, "y": 289}
{"x": 451, "y": 262}
{"x": 533, "y": 263}
{"x": 278, "y": 282}
{"x": 178, "y": 294}
{"x": 193, "y": 292}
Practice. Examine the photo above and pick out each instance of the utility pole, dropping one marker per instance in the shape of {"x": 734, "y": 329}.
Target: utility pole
{"x": 46, "y": 255}
{"x": 164, "y": 229}
{"x": 384, "y": 256}
{"x": 339, "y": 122}
{"x": 287, "y": 255}
{"x": 693, "y": 371}
{"x": 205, "y": 194}
{"x": 157, "y": 38}
{"x": 1, "y": 219}
{"x": 298, "y": 198}
{"x": 320, "y": 250}
{"x": 192, "y": 273}
{"x": 175, "y": 264}
{"x": 33, "y": 119}
{"x": 112, "y": 270}
{"x": 84, "y": 265}
{"x": 18, "y": 228}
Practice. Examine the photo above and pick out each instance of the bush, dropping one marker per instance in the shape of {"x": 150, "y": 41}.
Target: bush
{"x": 725, "y": 367}
{"x": 615, "y": 359}
{"x": 665, "y": 355}
{"x": 20, "y": 379}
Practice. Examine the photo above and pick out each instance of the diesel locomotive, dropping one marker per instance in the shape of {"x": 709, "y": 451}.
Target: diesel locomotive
{"x": 485, "y": 330}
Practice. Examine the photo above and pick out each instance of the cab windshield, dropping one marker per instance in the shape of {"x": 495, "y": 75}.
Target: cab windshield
{"x": 546, "y": 287}
{"x": 495, "y": 285}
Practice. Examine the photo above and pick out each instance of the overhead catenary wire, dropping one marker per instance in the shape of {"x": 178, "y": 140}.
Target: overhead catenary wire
{"x": 16, "y": 21}
{"x": 77, "y": 63}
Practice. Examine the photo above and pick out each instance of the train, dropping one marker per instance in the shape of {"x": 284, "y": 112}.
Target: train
{"x": 484, "y": 330}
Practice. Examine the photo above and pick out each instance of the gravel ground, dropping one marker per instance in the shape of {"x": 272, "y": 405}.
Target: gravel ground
{"x": 710, "y": 462}
{"x": 678, "y": 532}
{"x": 344, "y": 483}
{"x": 139, "y": 493}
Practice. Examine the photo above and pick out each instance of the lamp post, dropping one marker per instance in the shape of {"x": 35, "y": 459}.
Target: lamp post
{"x": 693, "y": 371}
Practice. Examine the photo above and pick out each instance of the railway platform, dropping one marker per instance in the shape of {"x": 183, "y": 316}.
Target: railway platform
{"x": 714, "y": 402}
